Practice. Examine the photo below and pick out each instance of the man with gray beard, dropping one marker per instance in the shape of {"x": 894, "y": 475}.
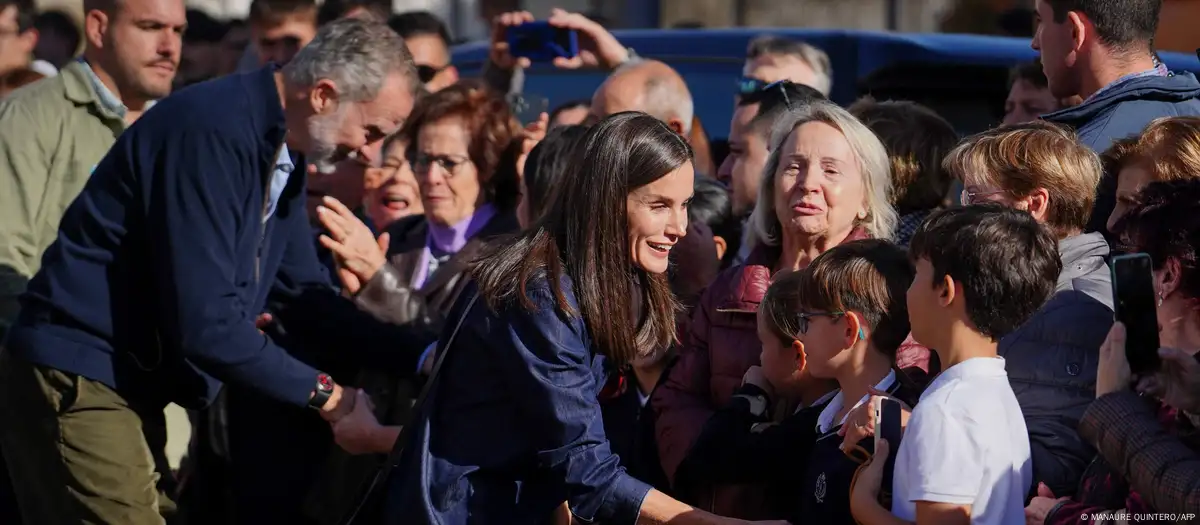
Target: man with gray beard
{"x": 150, "y": 293}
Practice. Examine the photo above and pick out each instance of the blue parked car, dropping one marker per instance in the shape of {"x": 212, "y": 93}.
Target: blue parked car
{"x": 962, "y": 77}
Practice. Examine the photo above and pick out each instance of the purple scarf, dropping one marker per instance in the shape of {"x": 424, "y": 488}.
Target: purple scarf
{"x": 449, "y": 240}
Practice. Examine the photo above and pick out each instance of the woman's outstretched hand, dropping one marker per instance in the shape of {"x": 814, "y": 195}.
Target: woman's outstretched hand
{"x": 359, "y": 254}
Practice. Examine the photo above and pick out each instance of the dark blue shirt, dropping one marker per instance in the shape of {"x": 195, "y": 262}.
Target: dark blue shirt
{"x": 513, "y": 426}
{"x": 167, "y": 256}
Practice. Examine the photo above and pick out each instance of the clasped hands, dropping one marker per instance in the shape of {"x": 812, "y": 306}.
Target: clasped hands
{"x": 351, "y": 414}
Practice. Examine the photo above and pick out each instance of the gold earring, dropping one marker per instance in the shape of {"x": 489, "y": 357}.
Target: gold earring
{"x": 1160, "y": 298}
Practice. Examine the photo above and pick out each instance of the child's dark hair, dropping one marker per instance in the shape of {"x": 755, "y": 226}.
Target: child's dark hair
{"x": 1008, "y": 263}
{"x": 1165, "y": 223}
{"x": 711, "y": 205}
{"x": 870, "y": 277}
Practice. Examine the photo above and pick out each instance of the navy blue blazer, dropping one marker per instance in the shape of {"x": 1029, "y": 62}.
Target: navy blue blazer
{"x": 164, "y": 260}
{"x": 513, "y": 427}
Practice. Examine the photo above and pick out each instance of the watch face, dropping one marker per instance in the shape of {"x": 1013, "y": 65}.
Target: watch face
{"x": 324, "y": 382}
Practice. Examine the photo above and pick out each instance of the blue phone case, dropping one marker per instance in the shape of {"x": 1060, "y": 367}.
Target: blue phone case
{"x": 541, "y": 42}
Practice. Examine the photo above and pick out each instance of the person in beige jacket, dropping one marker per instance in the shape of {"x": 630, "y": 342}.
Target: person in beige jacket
{"x": 53, "y": 132}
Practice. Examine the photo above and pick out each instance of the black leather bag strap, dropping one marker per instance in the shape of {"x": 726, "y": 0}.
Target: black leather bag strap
{"x": 370, "y": 501}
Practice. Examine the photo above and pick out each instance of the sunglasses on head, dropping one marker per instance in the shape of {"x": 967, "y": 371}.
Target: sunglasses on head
{"x": 749, "y": 86}
{"x": 426, "y": 72}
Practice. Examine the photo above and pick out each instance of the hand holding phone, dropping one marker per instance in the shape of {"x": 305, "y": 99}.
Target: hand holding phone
{"x": 1134, "y": 306}
{"x": 541, "y": 42}
{"x": 888, "y": 426}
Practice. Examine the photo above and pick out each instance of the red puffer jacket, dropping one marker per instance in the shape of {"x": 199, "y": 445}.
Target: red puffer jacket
{"x": 721, "y": 344}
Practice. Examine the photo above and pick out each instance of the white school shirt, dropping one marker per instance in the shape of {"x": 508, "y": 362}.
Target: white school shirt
{"x": 966, "y": 444}
{"x": 825, "y": 421}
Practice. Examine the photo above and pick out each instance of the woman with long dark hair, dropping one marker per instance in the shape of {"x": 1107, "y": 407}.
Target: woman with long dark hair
{"x": 511, "y": 425}
{"x": 545, "y": 168}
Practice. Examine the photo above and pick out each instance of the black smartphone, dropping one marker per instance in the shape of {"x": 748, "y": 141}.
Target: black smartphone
{"x": 887, "y": 426}
{"x": 528, "y": 108}
{"x": 1133, "y": 304}
{"x": 541, "y": 42}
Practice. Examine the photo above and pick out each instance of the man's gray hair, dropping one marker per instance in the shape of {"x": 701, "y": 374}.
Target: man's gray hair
{"x": 818, "y": 60}
{"x": 356, "y": 54}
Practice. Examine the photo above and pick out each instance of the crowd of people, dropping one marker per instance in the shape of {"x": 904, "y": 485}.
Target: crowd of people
{"x": 594, "y": 316}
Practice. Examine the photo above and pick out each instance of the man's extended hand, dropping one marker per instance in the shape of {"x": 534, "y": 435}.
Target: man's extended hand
{"x": 339, "y": 404}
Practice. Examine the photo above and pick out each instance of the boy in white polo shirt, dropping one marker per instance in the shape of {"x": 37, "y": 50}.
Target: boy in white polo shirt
{"x": 964, "y": 456}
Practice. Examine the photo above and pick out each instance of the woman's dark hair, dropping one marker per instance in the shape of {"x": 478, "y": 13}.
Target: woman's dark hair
{"x": 583, "y": 236}
{"x": 712, "y": 205}
{"x": 870, "y": 277}
{"x": 1165, "y": 223}
{"x": 494, "y": 133}
{"x": 546, "y": 165}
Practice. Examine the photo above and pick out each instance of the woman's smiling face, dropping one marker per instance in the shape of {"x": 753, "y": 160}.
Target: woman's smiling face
{"x": 657, "y": 217}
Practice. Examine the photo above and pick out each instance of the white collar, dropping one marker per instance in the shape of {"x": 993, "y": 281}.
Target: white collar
{"x": 642, "y": 398}
{"x": 973, "y": 367}
{"x": 825, "y": 419}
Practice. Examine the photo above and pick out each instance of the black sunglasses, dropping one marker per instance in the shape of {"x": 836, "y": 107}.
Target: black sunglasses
{"x": 750, "y": 86}
{"x": 747, "y": 85}
{"x": 427, "y": 72}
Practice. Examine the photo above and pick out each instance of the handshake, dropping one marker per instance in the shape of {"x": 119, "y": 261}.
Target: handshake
{"x": 355, "y": 428}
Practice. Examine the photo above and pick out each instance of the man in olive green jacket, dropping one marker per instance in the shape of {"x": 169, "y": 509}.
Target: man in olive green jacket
{"x": 53, "y": 132}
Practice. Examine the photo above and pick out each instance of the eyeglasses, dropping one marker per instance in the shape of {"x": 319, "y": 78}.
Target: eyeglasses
{"x": 426, "y": 72}
{"x": 449, "y": 163}
{"x": 805, "y": 317}
{"x": 968, "y": 198}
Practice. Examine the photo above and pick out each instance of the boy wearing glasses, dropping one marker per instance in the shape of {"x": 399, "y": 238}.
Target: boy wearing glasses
{"x": 965, "y": 454}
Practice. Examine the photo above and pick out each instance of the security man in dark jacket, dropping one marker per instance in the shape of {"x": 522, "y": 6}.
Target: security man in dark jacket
{"x": 163, "y": 262}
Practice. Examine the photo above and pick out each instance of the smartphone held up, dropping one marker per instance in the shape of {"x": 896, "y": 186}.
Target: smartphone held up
{"x": 541, "y": 42}
{"x": 1134, "y": 306}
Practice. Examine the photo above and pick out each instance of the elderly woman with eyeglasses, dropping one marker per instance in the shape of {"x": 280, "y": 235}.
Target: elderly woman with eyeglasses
{"x": 463, "y": 144}
{"x": 825, "y": 182}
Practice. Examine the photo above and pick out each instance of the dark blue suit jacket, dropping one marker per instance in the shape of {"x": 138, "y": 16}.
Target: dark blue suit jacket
{"x": 164, "y": 260}
{"x": 513, "y": 427}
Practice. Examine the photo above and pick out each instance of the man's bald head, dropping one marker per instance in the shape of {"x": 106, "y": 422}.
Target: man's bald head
{"x": 648, "y": 86}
